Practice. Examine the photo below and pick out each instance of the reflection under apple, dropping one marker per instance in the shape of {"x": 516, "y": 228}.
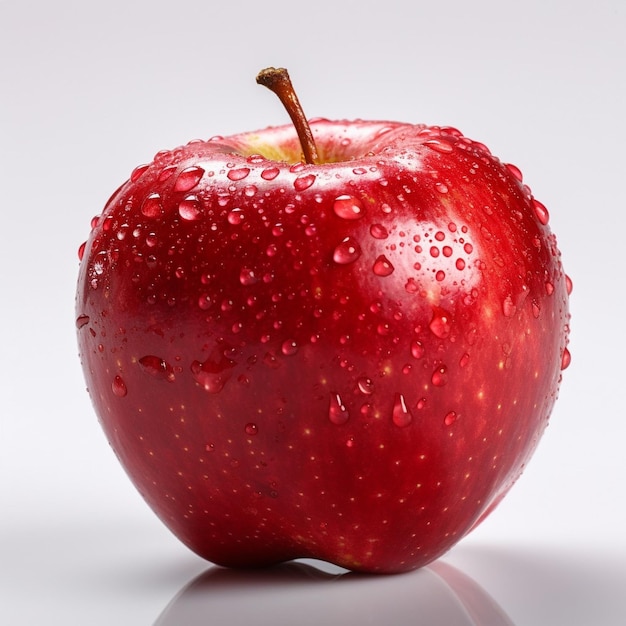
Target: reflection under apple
{"x": 313, "y": 592}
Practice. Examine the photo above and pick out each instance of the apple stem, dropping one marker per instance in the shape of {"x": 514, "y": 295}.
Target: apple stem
{"x": 278, "y": 81}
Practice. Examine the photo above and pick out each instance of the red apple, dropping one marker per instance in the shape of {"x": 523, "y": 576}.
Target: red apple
{"x": 351, "y": 358}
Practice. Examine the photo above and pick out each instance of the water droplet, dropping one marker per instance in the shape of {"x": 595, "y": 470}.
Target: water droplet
{"x": 289, "y": 347}
{"x": 382, "y": 266}
{"x": 119, "y": 387}
{"x": 378, "y": 231}
{"x": 157, "y": 367}
{"x": 239, "y": 173}
{"x": 411, "y": 286}
{"x": 444, "y": 147}
{"x": 304, "y": 182}
{"x": 235, "y": 217}
{"x": 348, "y": 207}
{"x": 151, "y": 206}
{"x": 365, "y": 385}
{"x": 536, "y": 308}
{"x": 468, "y": 247}
{"x": 347, "y": 251}
{"x": 248, "y": 277}
{"x": 204, "y": 301}
{"x": 508, "y": 308}
{"x": 82, "y": 320}
{"x": 188, "y": 178}
{"x": 460, "y": 264}
{"x": 514, "y": 170}
{"x": 440, "y": 324}
{"x": 270, "y": 173}
{"x": 541, "y": 212}
{"x": 81, "y": 250}
{"x": 189, "y": 208}
{"x": 167, "y": 172}
{"x": 441, "y": 187}
{"x": 440, "y": 376}
{"x": 549, "y": 288}
{"x": 337, "y": 412}
{"x": 450, "y": 418}
{"x": 569, "y": 285}
{"x": 251, "y": 429}
{"x": 401, "y": 415}
{"x": 213, "y": 374}
{"x": 417, "y": 349}
{"x": 464, "y": 360}
{"x": 566, "y": 359}
{"x": 250, "y": 190}
{"x": 440, "y": 276}
{"x": 137, "y": 172}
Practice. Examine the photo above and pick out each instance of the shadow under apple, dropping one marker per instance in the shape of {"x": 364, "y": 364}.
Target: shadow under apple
{"x": 312, "y": 592}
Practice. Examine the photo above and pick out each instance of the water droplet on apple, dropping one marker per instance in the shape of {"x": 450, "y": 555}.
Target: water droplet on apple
{"x": 270, "y": 173}
{"x": 204, "y": 301}
{"x": 248, "y": 277}
{"x": 251, "y": 429}
{"x": 450, "y": 418}
{"x": 157, "y": 367}
{"x": 540, "y": 212}
{"x": 189, "y": 208}
{"x": 464, "y": 360}
{"x": 167, "y": 172}
{"x": 212, "y": 375}
{"x": 137, "y": 172}
{"x": 365, "y": 385}
{"x": 382, "y": 266}
{"x": 82, "y": 320}
{"x": 348, "y": 207}
{"x": 378, "y": 231}
{"x": 337, "y": 412}
{"x": 566, "y": 359}
{"x": 289, "y": 348}
{"x": 508, "y": 308}
{"x": 440, "y": 376}
{"x": 417, "y": 349}
{"x": 347, "y": 251}
{"x": 188, "y": 178}
{"x": 441, "y": 187}
{"x": 81, "y": 250}
{"x": 549, "y": 288}
{"x": 569, "y": 285}
{"x": 401, "y": 415}
{"x": 438, "y": 145}
{"x": 119, "y": 387}
{"x": 440, "y": 324}
{"x": 304, "y": 182}
{"x": 151, "y": 206}
{"x": 236, "y": 217}
{"x": 238, "y": 173}
{"x": 411, "y": 286}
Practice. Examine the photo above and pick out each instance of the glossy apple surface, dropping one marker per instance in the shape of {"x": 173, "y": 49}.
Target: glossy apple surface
{"x": 352, "y": 360}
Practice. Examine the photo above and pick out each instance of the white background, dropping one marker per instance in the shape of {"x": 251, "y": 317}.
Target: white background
{"x": 88, "y": 91}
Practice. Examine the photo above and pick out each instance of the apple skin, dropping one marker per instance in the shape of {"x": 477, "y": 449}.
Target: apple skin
{"x": 352, "y": 361}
